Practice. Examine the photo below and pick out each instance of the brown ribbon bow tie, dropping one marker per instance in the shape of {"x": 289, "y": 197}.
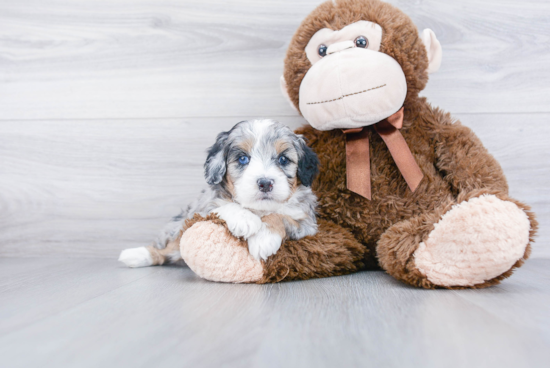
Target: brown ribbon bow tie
{"x": 358, "y": 160}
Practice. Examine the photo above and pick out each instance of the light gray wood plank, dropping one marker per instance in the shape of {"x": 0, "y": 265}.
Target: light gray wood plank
{"x": 167, "y": 58}
{"x": 518, "y": 301}
{"x": 33, "y": 289}
{"x": 93, "y": 188}
{"x": 171, "y": 318}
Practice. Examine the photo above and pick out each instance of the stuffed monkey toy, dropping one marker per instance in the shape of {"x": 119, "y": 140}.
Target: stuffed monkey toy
{"x": 402, "y": 185}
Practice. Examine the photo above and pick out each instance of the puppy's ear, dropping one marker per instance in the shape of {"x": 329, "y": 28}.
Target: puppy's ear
{"x": 308, "y": 163}
{"x": 215, "y": 165}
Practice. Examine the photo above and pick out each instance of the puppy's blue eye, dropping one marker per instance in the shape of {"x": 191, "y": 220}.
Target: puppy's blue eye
{"x": 244, "y": 160}
{"x": 283, "y": 160}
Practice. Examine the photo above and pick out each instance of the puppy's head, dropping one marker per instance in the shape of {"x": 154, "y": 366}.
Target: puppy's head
{"x": 260, "y": 163}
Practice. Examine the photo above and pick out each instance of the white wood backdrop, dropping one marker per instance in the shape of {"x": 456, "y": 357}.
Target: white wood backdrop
{"x": 106, "y": 107}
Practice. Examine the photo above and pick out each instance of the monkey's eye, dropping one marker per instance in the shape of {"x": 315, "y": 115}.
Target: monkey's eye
{"x": 283, "y": 161}
{"x": 244, "y": 160}
{"x": 362, "y": 42}
{"x": 322, "y": 50}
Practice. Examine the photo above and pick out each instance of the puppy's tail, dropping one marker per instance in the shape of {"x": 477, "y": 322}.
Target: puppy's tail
{"x": 136, "y": 257}
{"x": 165, "y": 248}
{"x": 151, "y": 256}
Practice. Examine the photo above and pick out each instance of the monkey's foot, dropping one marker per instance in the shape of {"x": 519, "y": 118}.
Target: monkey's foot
{"x": 474, "y": 242}
{"x": 214, "y": 254}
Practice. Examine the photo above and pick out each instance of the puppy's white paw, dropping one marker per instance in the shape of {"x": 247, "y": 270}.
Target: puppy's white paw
{"x": 264, "y": 243}
{"x": 136, "y": 257}
{"x": 240, "y": 222}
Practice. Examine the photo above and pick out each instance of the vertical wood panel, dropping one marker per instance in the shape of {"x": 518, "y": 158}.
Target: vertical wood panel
{"x": 170, "y": 59}
{"x": 92, "y": 188}
{"x": 106, "y": 107}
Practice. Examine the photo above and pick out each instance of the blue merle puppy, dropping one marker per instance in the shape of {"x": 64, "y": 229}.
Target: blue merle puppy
{"x": 259, "y": 175}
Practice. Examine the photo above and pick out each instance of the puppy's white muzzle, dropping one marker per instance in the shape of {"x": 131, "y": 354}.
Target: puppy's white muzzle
{"x": 352, "y": 88}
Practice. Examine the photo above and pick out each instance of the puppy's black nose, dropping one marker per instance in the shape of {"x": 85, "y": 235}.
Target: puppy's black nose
{"x": 265, "y": 185}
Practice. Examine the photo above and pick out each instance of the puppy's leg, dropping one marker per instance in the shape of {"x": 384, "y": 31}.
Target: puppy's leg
{"x": 269, "y": 238}
{"x": 170, "y": 254}
{"x": 151, "y": 256}
{"x": 165, "y": 248}
{"x": 240, "y": 221}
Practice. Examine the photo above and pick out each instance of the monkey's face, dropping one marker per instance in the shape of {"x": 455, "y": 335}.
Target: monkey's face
{"x": 353, "y": 63}
{"x": 350, "y": 83}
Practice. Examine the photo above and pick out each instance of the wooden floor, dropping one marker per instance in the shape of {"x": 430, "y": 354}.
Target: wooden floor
{"x": 96, "y": 313}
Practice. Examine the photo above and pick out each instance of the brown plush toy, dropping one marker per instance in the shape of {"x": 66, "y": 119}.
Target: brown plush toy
{"x": 402, "y": 186}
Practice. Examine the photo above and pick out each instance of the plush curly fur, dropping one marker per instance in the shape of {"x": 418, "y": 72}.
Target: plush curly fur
{"x": 356, "y": 233}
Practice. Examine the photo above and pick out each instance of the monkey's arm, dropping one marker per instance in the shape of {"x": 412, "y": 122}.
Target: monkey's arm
{"x": 465, "y": 163}
{"x": 212, "y": 252}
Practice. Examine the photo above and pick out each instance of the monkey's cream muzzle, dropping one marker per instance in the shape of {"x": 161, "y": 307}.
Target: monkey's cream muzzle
{"x": 351, "y": 87}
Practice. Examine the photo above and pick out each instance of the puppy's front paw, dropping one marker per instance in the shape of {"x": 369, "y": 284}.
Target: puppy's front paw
{"x": 244, "y": 224}
{"x": 264, "y": 244}
{"x": 240, "y": 222}
{"x": 136, "y": 257}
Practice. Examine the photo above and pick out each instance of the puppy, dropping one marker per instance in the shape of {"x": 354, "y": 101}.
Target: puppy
{"x": 259, "y": 175}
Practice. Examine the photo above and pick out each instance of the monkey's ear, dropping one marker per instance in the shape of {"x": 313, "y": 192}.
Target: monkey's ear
{"x": 433, "y": 47}
{"x": 284, "y": 90}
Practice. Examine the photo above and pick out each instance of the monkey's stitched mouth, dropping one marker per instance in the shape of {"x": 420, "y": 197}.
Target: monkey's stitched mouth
{"x": 341, "y": 97}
